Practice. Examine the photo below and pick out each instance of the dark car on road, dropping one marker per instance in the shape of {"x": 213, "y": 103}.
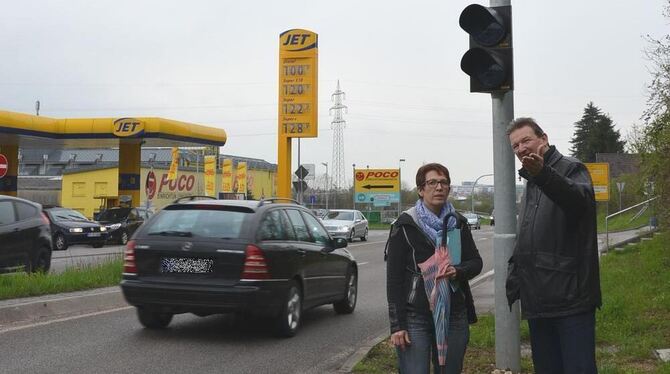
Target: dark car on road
{"x": 122, "y": 222}
{"x": 25, "y": 236}
{"x": 69, "y": 227}
{"x": 263, "y": 257}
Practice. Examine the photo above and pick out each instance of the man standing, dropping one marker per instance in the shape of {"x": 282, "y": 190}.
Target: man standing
{"x": 554, "y": 268}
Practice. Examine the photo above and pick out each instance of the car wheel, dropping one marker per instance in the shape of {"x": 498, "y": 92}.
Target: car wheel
{"x": 288, "y": 320}
{"x": 59, "y": 242}
{"x": 153, "y": 320}
{"x": 97, "y": 245}
{"x": 365, "y": 235}
{"x": 123, "y": 238}
{"x": 348, "y": 304}
{"x": 41, "y": 262}
{"x": 351, "y": 236}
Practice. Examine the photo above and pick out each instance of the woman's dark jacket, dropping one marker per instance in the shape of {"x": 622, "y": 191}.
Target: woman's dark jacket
{"x": 554, "y": 267}
{"x": 400, "y": 268}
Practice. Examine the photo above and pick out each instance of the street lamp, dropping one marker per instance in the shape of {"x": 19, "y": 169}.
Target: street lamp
{"x": 472, "y": 195}
{"x": 400, "y": 185}
{"x": 353, "y": 182}
{"x": 327, "y": 184}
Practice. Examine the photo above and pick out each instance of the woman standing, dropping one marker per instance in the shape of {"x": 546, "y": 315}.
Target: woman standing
{"x": 412, "y": 242}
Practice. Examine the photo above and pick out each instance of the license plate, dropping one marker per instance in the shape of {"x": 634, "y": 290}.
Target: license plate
{"x": 94, "y": 235}
{"x": 186, "y": 265}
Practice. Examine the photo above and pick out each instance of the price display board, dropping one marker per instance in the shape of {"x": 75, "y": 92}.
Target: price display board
{"x": 298, "y": 75}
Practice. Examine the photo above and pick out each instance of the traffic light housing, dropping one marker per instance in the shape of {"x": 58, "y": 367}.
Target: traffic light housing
{"x": 489, "y": 61}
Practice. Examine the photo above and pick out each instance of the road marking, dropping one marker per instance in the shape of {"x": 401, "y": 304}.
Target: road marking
{"x": 65, "y": 319}
{"x": 480, "y": 239}
{"x": 366, "y": 243}
{"x": 480, "y": 279}
{"x": 363, "y": 263}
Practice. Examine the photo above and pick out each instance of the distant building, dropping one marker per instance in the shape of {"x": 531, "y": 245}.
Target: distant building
{"x": 620, "y": 163}
{"x": 74, "y": 177}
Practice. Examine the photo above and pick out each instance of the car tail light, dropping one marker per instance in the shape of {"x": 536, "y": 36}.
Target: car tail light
{"x": 129, "y": 266}
{"x": 45, "y": 219}
{"x": 255, "y": 266}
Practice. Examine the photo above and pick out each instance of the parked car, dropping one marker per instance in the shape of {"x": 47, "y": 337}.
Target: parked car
{"x": 346, "y": 223}
{"x": 253, "y": 257}
{"x": 69, "y": 226}
{"x": 25, "y": 236}
{"x": 122, "y": 222}
{"x": 493, "y": 218}
{"x": 473, "y": 221}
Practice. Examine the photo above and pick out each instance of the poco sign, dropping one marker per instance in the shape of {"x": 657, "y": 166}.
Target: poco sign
{"x": 126, "y": 127}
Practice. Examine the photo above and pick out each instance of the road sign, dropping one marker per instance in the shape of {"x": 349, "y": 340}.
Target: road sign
{"x": 4, "y": 165}
{"x": 377, "y": 180}
{"x": 371, "y": 185}
{"x": 300, "y": 185}
{"x": 600, "y": 176}
{"x": 298, "y": 78}
{"x": 301, "y": 172}
{"x": 150, "y": 185}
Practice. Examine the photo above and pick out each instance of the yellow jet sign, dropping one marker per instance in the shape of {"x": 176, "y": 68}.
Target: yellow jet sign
{"x": 600, "y": 176}
{"x": 376, "y": 180}
{"x": 298, "y": 78}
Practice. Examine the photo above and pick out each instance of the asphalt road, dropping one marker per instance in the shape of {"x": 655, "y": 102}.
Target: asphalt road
{"x": 114, "y": 341}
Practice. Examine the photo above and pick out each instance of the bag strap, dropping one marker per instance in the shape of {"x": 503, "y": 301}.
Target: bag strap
{"x": 445, "y": 224}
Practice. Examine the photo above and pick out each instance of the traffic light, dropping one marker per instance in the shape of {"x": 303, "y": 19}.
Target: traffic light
{"x": 488, "y": 62}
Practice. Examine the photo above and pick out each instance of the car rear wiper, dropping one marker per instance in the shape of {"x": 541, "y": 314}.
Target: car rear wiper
{"x": 172, "y": 233}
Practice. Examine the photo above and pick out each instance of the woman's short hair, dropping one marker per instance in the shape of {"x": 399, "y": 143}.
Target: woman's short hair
{"x": 522, "y": 122}
{"x": 434, "y": 166}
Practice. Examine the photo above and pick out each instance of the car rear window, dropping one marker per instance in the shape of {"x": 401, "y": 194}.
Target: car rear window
{"x": 25, "y": 211}
{"x": 204, "y": 223}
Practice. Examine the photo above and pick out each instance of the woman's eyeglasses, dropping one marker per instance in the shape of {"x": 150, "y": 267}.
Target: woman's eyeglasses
{"x": 432, "y": 183}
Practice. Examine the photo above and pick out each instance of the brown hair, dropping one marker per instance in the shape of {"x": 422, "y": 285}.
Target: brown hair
{"x": 523, "y": 122}
{"x": 423, "y": 170}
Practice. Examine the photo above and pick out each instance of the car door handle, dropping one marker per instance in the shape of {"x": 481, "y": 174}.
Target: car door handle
{"x": 302, "y": 252}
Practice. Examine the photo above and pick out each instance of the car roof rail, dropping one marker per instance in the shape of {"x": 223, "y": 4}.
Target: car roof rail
{"x": 192, "y": 198}
{"x": 270, "y": 200}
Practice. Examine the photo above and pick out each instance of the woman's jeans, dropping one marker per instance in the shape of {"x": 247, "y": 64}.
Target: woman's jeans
{"x": 416, "y": 357}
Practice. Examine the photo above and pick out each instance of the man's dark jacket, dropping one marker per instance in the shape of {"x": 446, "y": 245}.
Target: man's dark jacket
{"x": 554, "y": 268}
{"x": 400, "y": 268}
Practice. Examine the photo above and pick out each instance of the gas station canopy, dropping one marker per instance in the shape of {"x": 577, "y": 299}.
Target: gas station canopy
{"x": 29, "y": 131}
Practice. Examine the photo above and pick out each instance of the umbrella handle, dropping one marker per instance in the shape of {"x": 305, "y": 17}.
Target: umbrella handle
{"x": 445, "y": 224}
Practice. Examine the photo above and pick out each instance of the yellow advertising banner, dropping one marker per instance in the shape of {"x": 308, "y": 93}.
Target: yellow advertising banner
{"x": 210, "y": 175}
{"x": 172, "y": 173}
{"x": 242, "y": 177}
{"x": 376, "y": 180}
{"x": 600, "y": 176}
{"x": 227, "y": 175}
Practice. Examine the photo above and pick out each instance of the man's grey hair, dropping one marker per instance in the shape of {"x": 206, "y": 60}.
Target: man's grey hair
{"x": 523, "y": 122}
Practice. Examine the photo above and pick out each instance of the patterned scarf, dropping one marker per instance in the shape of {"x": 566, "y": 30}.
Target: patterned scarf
{"x": 434, "y": 271}
{"x": 432, "y": 224}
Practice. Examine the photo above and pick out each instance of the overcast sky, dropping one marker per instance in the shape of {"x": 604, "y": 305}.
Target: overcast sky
{"x": 215, "y": 63}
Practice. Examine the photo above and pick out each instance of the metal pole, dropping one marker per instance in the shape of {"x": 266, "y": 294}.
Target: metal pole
{"x": 327, "y": 184}
{"x": 299, "y": 179}
{"x": 507, "y": 335}
{"x": 400, "y": 186}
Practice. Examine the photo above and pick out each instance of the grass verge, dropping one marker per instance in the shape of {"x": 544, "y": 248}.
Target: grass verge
{"x": 76, "y": 278}
{"x": 633, "y": 322}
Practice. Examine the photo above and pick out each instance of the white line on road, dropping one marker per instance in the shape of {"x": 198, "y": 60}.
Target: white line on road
{"x": 480, "y": 279}
{"x": 480, "y": 239}
{"x": 23, "y": 327}
{"x": 365, "y": 243}
{"x": 362, "y": 263}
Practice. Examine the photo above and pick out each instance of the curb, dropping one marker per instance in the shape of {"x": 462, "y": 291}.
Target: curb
{"x": 60, "y": 305}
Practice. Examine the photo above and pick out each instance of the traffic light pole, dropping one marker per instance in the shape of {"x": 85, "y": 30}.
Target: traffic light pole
{"x": 508, "y": 348}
